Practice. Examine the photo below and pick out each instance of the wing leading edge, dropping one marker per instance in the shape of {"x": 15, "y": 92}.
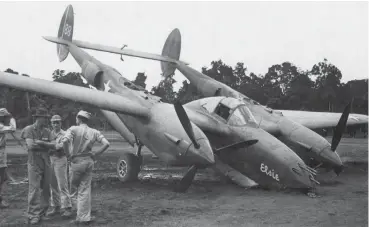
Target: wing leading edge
{"x": 102, "y": 100}
{"x": 316, "y": 120}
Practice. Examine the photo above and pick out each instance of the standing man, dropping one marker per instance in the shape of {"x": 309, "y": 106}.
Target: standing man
{"x": 60, "y": 198}
{"x": 82, "y": 159}
{"x": 39, "y": 171}
{"x": 7, "y": 124}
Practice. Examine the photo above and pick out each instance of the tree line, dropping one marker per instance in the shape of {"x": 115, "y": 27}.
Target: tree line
{"x": 284, "y": 86}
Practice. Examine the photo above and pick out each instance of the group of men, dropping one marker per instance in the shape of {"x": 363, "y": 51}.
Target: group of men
{"x": 52, "y": 190}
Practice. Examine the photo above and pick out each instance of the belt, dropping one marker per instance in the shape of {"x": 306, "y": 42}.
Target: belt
{"x": 80, "y": 155}
{"x": 38, "y": 152}
{"x": 57, "y": 153}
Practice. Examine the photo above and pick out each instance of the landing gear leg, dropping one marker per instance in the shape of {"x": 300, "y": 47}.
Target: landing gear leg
{"x": 138, "y": 153}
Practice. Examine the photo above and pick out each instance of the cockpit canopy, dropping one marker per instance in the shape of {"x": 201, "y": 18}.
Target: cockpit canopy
{"x": 231, "y": 110}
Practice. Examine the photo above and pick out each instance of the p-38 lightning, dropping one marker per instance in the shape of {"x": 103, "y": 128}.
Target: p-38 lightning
{"x": 294, "y": 128}
{"x": 218, "y": 132}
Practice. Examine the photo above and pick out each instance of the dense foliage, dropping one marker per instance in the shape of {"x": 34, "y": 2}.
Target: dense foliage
{"x": 284, "y": 86}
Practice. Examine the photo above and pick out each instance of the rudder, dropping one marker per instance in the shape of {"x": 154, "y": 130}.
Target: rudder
{"x": 65, "y": 32}
{"x": 171, "y": 49}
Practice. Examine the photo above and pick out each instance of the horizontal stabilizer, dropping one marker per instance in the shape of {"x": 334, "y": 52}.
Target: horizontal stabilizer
{"x": 114, "y": 50}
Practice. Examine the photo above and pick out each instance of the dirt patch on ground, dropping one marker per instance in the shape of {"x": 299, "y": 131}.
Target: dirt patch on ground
{"x": 210, "y": 201}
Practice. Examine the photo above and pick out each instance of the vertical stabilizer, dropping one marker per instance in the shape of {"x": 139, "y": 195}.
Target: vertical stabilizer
{"x": 171, "y": 49}
{"x": 65, "y": 32}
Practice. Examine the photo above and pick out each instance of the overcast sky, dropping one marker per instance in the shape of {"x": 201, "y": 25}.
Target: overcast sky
{"x": 259, "y": 34}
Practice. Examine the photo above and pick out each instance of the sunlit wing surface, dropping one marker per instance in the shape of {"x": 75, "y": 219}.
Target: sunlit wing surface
{"x": 316, "y": 120}
{"x": 103, "y": 100}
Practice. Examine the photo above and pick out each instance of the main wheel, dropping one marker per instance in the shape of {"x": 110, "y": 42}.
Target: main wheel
{"x": 128, "y": 167}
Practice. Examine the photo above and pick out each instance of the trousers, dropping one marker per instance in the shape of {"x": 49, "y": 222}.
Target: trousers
{"x": 39, "y": 175}
{"x": 3, "y": 179}
{"x": 59, "y": 182}
{"x": 80, "y": 186}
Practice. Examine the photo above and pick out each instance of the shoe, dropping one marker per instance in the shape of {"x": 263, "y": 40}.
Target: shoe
{"x": 75, "y": 222}
{"x": 3, "y": 204}
{"x": 53, "y": 211}
{"x": 34, "y": 221}
{"x": 67, "y": 213}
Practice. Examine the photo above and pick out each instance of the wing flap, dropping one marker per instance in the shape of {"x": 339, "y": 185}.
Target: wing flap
{"x": 102, "y": 100}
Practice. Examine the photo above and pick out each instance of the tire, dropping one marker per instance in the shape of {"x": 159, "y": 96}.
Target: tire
{"x": 128, "y": 167}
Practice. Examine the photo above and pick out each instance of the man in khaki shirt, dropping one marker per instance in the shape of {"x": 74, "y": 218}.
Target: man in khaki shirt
{"x": 82, "y": 159}
{"x": 7, "y": 124}
{"x": 60, "y": 198}
{"x": 39, "y": 171}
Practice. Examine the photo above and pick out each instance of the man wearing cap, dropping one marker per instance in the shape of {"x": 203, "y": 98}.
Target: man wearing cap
{"x": 7, "y": 124}
{"x": 82, "y": 159}
{"x": 60, "y": 200}
{"x": 39, "y": 171}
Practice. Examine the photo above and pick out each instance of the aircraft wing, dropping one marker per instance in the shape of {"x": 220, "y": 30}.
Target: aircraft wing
{"x": 114, "y": 50}
{"x": 316, "y": 120}
{"x": 102, "y": 100}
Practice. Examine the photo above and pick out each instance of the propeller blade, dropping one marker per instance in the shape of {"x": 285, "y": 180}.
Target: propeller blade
{"x": 340, "y": 127}
{"x": 186, "y": 123}
{"x": 186, "y": 181}
{"x": 235, "y": 146}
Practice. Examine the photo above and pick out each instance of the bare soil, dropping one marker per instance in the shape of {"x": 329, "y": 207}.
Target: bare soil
{"x": 210, "y": 201}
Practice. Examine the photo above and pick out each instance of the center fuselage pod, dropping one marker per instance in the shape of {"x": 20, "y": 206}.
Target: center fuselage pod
{"x": 305, "y": 142}
{"x": 162, "y": 133}
{"x": 269, "y": 162}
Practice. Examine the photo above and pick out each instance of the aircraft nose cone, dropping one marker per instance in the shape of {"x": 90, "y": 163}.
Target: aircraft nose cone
{"x": 332, "y": 158}
{"x": 338, "y": 170}
{"x": 204, "y": 154}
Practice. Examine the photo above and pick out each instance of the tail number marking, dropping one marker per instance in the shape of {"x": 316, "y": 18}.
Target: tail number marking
{"x": 67, "y": 29}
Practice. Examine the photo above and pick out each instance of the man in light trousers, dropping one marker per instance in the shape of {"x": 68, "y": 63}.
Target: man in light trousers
{"x": 82, "y": 163}
{"x": 7, "y": 125}
{"x": 60, "y": 198}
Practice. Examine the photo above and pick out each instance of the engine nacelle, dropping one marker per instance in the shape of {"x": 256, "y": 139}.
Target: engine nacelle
{"x": 93, "y": 74}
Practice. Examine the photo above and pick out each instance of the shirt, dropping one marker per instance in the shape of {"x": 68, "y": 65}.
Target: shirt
{"x": 34, "y": 133}
{"x": 56, "y": 137}
{"x": 3, "y": 130}
{"x": 82, "y": 138}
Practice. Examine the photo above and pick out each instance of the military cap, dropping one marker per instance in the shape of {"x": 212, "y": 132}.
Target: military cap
{"x": 41, "y": 112}
{"x": 84, "y": 114}
{"x": 56, "y": 118}
{"x": 4, "y": 112}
